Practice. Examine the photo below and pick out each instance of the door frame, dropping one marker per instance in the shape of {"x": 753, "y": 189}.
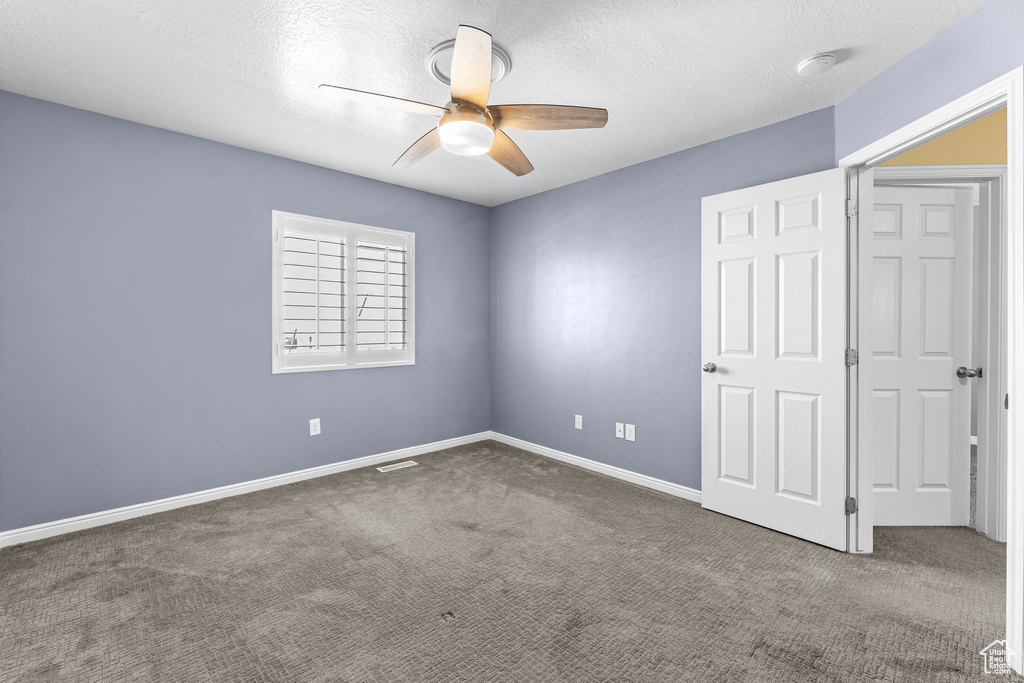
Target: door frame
{"x": 989, "y": 349}
{"x": 1005, "y": 91}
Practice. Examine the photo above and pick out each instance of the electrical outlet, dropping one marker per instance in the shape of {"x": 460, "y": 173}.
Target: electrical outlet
{"x": 619, "y": 430}
{"x": 630, "y": 432}
{"x": 314, "y": 427}
{"x": 579, "y": 422}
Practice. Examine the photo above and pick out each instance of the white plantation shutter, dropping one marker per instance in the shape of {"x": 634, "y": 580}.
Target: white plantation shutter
{"x": 343, "y": 295}
{"x": 314, "y": 308}
{"x": 381, "y": 297}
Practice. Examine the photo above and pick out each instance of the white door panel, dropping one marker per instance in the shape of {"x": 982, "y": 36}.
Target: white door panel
{"x": 920, "y": 332}
{"x": 773, "y": 321}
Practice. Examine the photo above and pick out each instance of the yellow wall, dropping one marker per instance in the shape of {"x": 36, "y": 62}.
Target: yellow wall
{"x": 979, "y": 142}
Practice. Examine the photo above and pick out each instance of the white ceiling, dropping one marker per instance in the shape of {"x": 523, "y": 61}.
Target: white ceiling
{"x": 672, "y": 73}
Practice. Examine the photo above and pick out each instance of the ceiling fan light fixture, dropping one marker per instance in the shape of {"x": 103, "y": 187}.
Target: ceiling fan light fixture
{"x": 467, "y": 125}
{"x": 465, "y": 131}
{"x": 466, "y": 138}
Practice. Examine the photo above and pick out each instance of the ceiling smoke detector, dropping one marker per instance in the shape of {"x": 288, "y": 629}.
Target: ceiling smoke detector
{"x": 816, "y": 65}
{"x": 439, "y": 62}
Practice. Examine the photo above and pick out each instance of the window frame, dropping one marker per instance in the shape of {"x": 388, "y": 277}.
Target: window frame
{"x": 350, "y": 358}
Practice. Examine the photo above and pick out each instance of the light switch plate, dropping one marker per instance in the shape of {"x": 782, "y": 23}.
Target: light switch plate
{"x": 630, "y": 432}
{"x": 620, "y": 430}
{"x": 579, "y": 422}
{"x": 314, "y": 427}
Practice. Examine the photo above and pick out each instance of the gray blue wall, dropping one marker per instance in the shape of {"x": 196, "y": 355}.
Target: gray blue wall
{"x": 595, "y": 299}
{"x": 977, "y": 49}
{"x": 135, "y": 317}
{"x": 595, "y": 294}
{"x": 135, "y": 281}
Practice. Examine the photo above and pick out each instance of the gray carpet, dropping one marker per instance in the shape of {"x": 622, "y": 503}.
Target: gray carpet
{"x": 486, "y": 563}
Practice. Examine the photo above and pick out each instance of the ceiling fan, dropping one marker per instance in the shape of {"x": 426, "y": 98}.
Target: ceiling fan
{"x": 467, "y": 126}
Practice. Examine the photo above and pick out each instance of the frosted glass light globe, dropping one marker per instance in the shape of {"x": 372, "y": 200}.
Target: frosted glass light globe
{"x": 466, "y": 138}
{"x": 465, "y": 130}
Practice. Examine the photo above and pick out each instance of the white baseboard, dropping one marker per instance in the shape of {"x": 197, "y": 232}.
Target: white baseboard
{"x": 63, "y": 526}
{"x": 610, "y": 470}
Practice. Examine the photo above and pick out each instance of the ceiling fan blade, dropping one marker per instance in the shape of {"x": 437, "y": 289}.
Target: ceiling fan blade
{"x": 546, "y": 117}
{"x": 508, "y": 154}
{"x": 373, "y": 98}
{"x": 419, "y": 149}
{"x": 471, "y": 67}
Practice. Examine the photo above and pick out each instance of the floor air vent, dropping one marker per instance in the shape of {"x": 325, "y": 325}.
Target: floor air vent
{"x": 396, "y": 466}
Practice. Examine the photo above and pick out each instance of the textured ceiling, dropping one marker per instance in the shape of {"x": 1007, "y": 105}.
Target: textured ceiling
{"x": 672, "y": 73}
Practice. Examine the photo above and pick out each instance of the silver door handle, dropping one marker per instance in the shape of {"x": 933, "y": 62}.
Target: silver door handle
{"x": 709, "y": 367}
{"x": 964, "y": 372}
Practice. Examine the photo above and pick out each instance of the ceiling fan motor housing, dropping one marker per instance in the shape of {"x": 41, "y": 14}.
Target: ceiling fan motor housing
{"x": 466, "y": 130}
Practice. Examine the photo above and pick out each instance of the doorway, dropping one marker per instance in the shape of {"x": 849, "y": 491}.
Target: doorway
{"x": 1006, "y": 93}
{"x": 931, "y": 315}
{"x": 788, "y": 400}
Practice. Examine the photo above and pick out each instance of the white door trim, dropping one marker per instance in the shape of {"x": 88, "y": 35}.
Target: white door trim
{"x": 991, "y": 498}
{"x": 1008, "y": 91}
{"x": 972, "y": 173}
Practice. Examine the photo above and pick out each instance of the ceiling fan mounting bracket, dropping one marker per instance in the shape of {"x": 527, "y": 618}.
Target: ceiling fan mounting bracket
{"x": 458, "y": 112}
{"x": 439, "y": 62}
{"x": 466, "y": 111}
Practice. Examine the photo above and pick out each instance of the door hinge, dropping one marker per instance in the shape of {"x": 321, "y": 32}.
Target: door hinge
{"x": 851, "y": 208}
{"x": 851, "y": 505}
{"x": 851, "y": 357}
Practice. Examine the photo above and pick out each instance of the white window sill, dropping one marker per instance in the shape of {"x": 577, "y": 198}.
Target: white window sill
{"x": 356, "y": 366}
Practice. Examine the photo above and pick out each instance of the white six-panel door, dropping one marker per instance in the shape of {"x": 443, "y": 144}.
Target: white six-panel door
{"x": 920, "y": 327}
{"x": 773, "y": 322}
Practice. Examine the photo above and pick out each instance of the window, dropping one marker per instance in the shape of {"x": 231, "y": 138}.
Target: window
{"x": 343, "y": 295}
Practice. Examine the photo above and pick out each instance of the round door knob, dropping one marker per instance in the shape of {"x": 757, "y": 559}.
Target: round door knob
{"x": 710, "y": 367}
{"x": 964, "y": 372}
